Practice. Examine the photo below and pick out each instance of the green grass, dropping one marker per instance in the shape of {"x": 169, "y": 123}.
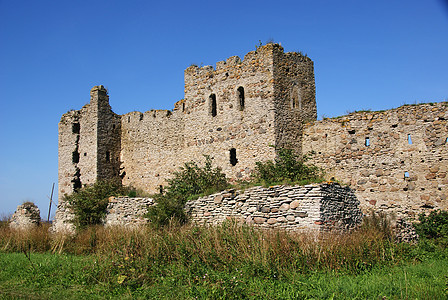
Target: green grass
{"x": 227, "y": 261}
{"x": 73, "y": 277}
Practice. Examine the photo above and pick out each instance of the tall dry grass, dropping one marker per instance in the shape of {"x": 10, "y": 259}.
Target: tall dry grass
{"x": 230, "y": 245}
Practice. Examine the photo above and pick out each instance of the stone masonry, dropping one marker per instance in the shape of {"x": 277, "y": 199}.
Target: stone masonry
{"x": 27, "y": 215}
{"x": 395, "y": 160}
{"x": 314, "y": 207}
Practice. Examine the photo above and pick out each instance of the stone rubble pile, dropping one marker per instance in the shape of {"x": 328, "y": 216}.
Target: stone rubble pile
{"x": 26, "y": 216}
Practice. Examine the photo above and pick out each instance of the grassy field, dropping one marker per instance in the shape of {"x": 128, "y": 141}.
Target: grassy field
{"x": 228, "y": 261}
{"x": 55, "y": 276}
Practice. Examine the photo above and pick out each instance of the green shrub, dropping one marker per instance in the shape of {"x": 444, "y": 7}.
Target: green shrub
{"x": 190, "y": 182}
{"x": 434, "y": 225}
{"x": 287, "y": 168}
{"x": 90, "y": 202}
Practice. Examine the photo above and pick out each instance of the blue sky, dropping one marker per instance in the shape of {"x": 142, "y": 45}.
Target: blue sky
{"x": 367, "y": 55}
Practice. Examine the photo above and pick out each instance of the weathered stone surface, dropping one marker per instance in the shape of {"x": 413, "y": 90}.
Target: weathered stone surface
{"x": 294, "y": 204}
{"x": 26, "y": 216}
{"x": 259, "y": 220}
{"x": 234, "y": 112}
{"x": 336, "y": 207}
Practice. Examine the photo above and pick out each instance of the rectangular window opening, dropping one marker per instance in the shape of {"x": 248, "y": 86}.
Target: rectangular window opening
{"x": 107, "y": 156}
{"x": 233, "y": 159}
{"x": 409, "y": 139}
{"x": 406, "y": 175}
{"x": 367, "y": 142}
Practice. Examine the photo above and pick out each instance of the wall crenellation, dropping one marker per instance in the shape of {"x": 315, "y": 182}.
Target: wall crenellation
{"x": 396, "y": 160}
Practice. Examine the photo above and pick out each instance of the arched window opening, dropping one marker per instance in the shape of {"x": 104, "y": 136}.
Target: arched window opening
{"x": 296, "y": 97}
{"x": 212, "y": 100}
{"x": 409, "y": 139}
{"x": 240, "y": 92}
{"x": 233, "y": 160}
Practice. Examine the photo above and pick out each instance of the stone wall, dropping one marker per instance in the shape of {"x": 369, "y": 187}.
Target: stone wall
{"x": 125, "y": 211}
{"x": 26, "y": 216}
{"x": 311, "y": 207}
{"x": 395, "y": 160}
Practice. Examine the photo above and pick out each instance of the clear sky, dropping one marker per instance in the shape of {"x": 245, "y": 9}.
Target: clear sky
{"x": 367, "y": 55}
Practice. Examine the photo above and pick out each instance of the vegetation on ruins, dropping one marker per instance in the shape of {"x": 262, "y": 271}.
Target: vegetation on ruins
{"x": 190, "y": 182}
{"x": 433, "y": 226}
{"x": 89, "y": 203}
{"x": 287, "y": 168}
{"x": 225, "y": 261}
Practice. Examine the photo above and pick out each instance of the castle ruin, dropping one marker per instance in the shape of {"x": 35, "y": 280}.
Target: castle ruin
{"x": 394, "y": 160}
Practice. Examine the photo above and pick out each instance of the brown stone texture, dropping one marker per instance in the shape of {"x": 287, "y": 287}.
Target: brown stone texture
{"x": 395, "y": 160}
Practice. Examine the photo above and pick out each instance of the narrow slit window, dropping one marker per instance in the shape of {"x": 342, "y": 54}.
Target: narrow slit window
{"x": 183, "y": 106}
{"x": 107, "y": 156}
{"x": 367, "y": 142}
{"x": 233, "y": 159}
{"x": 75, "y": 157}
{"x": 161, "y": 189}
{"x": 409, "y": 139}
{"x": 406, "y": 175}
{"x": 213, "y": 110}
{"x": 240, "y": 92}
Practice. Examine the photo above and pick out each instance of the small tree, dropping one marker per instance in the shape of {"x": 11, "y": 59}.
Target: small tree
{"x": 286, "y": 168}
{"x": 189, "y": 182}
{"x": 90, "y": 202}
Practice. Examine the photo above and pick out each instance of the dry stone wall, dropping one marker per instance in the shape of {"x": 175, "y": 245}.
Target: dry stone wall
{"x": 125, "y": 211}
{"x": 300, "y": 208}
{"x": 395, "y": 160}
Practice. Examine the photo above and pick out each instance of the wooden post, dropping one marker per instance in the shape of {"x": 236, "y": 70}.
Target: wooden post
{"x": 51, "y": 200}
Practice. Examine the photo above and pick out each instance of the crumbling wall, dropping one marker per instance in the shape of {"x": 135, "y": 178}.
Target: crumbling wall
{"x": 126, "y": 211}
{"x": 313, "y": 207}
{"x": 395, "y": 160}
{"x": 26, "y": 216}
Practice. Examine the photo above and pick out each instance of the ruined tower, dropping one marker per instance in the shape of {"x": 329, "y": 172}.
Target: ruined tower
{"x": 89, "y": 143}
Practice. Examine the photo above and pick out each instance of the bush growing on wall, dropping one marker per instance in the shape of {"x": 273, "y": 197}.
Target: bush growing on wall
{"x": 287, "y": 168}
{"x": 90, "y": 202}
{"x": 190, "y": 182}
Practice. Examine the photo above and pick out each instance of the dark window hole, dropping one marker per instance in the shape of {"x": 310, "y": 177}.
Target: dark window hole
{"x": 240, "y": 92}
{"x": 161, "y": 189}
{"x": 107, "y": 156}
{"x": 212, "y": 100}
{"x": 233, "y": 160}
{"x": 75, "y": 157}
{"x": 76, "y": 128}
{"x": 352, "y": 131}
